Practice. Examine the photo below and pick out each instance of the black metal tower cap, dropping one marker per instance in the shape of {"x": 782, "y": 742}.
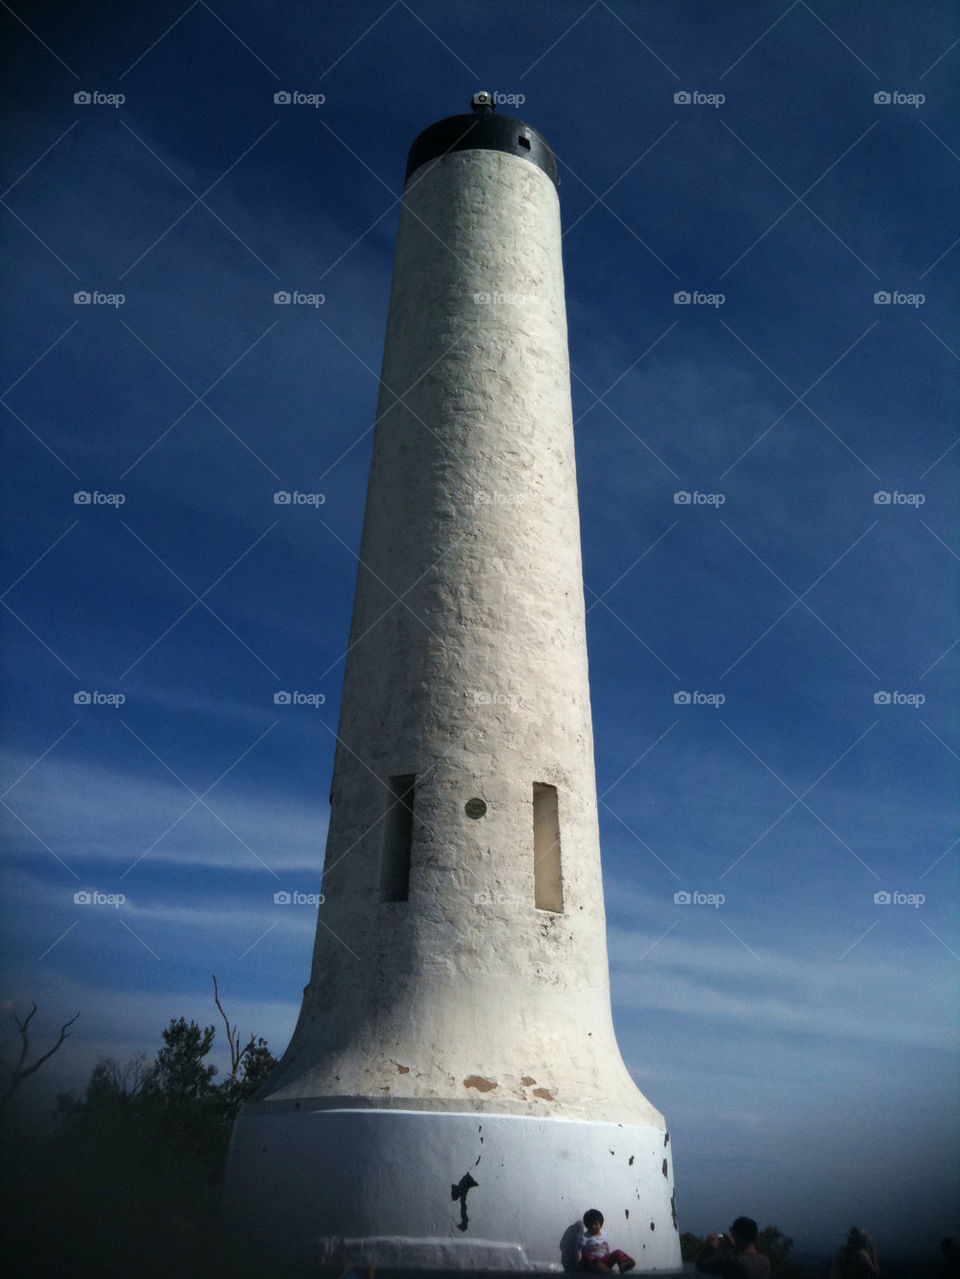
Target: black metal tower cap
{"x": 483, "y": 131}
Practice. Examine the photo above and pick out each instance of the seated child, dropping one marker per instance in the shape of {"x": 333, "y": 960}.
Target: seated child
{"x": 593, "y": 1250}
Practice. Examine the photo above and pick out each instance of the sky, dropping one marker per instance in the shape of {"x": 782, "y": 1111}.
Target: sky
{"x": 760, "y": 253}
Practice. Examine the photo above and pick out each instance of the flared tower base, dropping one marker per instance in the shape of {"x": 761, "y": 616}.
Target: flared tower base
{"x": 446, "y": 1191}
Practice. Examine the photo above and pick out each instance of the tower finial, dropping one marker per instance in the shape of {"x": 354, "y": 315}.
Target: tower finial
{"x": 483, "y": 103}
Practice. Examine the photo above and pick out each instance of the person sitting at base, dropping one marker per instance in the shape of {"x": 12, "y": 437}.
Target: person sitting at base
{"x": 734, "y": 1256}
{"x": 593, "y": 1250}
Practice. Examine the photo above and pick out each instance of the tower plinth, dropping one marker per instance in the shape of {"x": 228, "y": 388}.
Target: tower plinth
{"x": 457, "y": 1023}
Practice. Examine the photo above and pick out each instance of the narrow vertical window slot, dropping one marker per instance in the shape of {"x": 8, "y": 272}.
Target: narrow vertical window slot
{"x": 397, "y": 839}
{"x": 547, "y": 874}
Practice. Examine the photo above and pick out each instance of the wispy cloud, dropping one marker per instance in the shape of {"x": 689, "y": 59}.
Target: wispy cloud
{"x": 102, "y": 818}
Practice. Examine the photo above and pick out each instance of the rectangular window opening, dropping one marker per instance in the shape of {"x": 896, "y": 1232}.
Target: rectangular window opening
{"x": 547, "y": 875}
{"x": 397, "y": 839}
{"x": 524, "y": 142}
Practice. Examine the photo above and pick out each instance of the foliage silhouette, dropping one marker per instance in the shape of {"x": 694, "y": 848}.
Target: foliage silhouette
{"x": 128, "y": 1181}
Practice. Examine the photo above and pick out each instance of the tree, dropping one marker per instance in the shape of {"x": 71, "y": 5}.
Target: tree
{"x": 249, "y": 1066}
{"x": 772, "y": 1241}
{"x": 141, "y": 1148}
{"x": 16, "y": 1074}
{"x": 258, "y": 1064}
{"x": 690, "y": 1245}
{"x": 179, "y": 1073}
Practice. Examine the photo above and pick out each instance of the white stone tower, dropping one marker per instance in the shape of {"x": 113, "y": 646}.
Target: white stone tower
{"x": 453, "y": 1096}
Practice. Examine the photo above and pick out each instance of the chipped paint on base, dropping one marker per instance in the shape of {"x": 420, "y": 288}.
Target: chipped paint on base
{"x": 375, "y": 1187}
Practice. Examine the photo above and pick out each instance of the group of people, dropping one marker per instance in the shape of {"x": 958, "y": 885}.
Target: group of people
{"x": 733, "y": 1255}
{"x": 736, "y": 1255}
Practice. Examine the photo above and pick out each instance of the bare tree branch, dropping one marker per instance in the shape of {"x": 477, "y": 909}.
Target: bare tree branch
{"x": 25, "y": 1042}
{"x": 19, "y": 1073}
{"x": 235, "y": 1054}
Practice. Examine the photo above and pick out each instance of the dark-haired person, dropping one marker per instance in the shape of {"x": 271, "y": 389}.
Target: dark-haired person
{"x": 593, "y": 1250}
{"x": 735, "y": 1255}
{"x": 857, "y": 1259}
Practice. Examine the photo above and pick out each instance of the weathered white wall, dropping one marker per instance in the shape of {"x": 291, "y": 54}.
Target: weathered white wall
{"x": 386, "y": 1197}
{"x": 465, "y": 998}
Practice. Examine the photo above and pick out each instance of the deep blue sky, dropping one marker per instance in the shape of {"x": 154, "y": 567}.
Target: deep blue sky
{"x": 800, "y": 1038}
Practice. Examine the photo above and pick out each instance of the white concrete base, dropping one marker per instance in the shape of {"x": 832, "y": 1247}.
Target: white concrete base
{"x": 374, "y": 1187}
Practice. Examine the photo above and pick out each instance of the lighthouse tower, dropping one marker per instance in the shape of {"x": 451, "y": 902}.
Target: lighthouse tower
{"x": 453, "y": 1096}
